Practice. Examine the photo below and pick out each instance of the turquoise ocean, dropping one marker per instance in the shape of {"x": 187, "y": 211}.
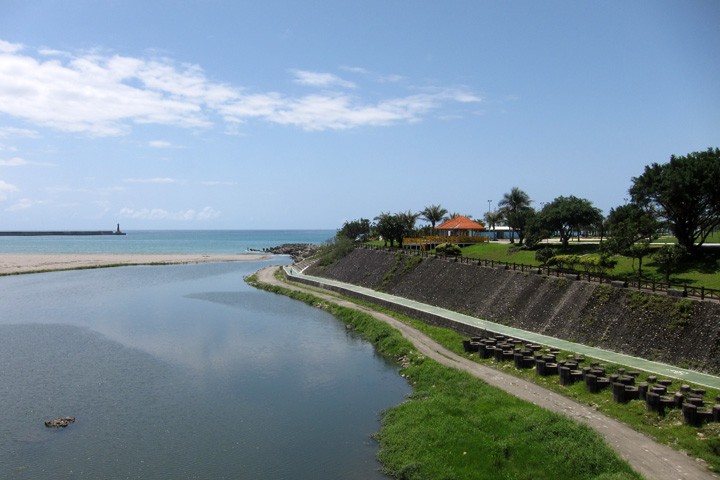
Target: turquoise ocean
{"x": 165, "y": 241}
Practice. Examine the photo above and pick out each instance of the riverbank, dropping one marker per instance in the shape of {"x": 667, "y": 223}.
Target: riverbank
{"x": 456, "y": 426}
{"x": 12, "y": 264}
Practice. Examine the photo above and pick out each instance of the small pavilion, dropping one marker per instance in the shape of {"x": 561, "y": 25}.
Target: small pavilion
{"x": 459, "y": 226}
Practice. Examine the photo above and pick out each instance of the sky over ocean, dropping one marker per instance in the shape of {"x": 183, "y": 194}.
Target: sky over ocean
{"x": 280, "y": 114}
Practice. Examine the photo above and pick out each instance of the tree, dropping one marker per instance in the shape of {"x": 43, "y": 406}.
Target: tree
{"x": 566, "y": 215}
{"x": 433, "y": 214}
{"x": 513, "y": 202}
{"x": 685, "y": 193}
{"x": 493, "y": 218}
{"x": 535, "y": 231}
{"x": 631, "y": 230}
{"x": 406, "y": 222}
{"x": 638, "y": 250}
{"x": 520, "y": 220}
{"x": 629, "y": 224}
{"x": 385, "y": 225}
{"x": 355, "y": 229}
{"x": 395, "y": 227}
{"x": 667, "y": 257}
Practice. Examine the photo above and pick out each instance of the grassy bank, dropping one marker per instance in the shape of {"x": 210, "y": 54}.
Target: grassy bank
{"x": 455, "y": 426}
{"x": 703, "y": 442}
{"x": 701, "y": 270}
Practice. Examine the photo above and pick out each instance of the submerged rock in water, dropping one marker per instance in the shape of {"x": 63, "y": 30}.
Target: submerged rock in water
{"x": 61, "y": 422}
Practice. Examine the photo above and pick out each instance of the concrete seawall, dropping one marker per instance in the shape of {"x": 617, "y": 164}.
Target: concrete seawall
{"x": 678, "y": 331}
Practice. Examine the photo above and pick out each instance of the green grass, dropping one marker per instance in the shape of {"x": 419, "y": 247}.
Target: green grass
{"x": 455, "y": 426}
{"x": 703, "y": 442}
{"x": 701, "y": 270}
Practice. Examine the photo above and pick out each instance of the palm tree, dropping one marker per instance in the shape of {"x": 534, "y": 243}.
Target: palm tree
{"x": 511, "y": 204}
{"x": 407, "y": 220}
{"x": 433, "y": 214}
{"x": 514, "y": 201}
{"x": 493, "y": 218}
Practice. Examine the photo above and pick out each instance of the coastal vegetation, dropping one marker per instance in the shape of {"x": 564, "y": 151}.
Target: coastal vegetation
{"x": 454, "y": 426}
{"x": 677, "y": 202}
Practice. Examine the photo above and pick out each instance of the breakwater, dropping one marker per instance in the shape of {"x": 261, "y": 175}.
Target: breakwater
{"x": 663, "y": 328}
{"x": 59, "y": 233}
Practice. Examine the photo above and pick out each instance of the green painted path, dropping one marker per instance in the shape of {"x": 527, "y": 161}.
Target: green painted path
{"x": 656, "y": 368}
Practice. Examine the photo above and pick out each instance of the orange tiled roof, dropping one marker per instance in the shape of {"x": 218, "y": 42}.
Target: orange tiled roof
{"x": 460, "y": 223}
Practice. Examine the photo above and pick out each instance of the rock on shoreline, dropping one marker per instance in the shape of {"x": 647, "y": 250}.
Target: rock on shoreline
{"x": 297, "y": 251}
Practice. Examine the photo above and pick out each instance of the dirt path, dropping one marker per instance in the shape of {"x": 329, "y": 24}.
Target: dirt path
{"x": 649, "y": 458}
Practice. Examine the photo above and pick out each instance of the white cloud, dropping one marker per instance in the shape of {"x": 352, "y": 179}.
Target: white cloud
{"x": 5, "y": 188}
{"x": 319, "y": 79}
{"x": 7, "y": 47}
{"x": 23, "y": 204}
{"x": 339, "y": 111}
{"x": 206, "y": 213}
{"x": 160, "y": 144}
{"x": 96, "y": 95}
{"x": 21, "y": 162}
{"x": 377, "y": 77}
{"x": 151, "y": 180}
{"x": 105, "y": 95}
{"x": 13, "y": 162}
{"x": 18, "y": 132}
{"x": 214, "y": 183}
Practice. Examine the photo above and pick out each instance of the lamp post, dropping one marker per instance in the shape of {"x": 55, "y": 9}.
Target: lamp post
{"x": 489, "y": 203}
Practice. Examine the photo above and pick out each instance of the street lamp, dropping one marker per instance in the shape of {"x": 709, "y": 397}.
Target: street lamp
{"x": 489, "y": 203}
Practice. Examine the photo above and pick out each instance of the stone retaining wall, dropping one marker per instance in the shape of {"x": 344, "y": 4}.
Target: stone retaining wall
{"x": 678, "y": 331}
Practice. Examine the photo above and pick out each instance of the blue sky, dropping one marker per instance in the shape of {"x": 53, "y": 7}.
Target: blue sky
{"x": 283, "y": 114}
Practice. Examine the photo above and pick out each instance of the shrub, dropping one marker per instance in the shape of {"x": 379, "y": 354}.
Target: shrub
{"x": 335, "y": 249}
{"x": 564, "y": 261}
{"x": 597, "y": 263}
{"x": 448, "y": 249}
{"x": 544, "y": 255}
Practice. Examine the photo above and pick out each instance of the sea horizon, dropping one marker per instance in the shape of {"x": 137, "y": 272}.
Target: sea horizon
{"x": 216, "y": 241}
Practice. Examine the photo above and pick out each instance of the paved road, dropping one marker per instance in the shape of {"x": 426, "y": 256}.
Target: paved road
{"x": 649, "y": 458}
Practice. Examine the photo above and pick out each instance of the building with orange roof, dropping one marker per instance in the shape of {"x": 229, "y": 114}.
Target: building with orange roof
{"x": 459, "y": 226}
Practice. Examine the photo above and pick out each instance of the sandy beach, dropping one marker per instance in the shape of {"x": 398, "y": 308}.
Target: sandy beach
{"x": 11, "y": 263}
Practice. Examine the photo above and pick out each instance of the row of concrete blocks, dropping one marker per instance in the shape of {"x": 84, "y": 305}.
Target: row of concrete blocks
{"x": 654, "y": 392}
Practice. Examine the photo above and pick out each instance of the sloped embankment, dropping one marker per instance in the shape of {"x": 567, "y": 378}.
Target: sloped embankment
{"x": 678, "y": 331}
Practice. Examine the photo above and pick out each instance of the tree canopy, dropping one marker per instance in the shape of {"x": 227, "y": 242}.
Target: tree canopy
{"x": 395, "y": 227}
{"x": 433, "y": 214}
{"x": 515, "y": 206}
{"x": 628, "y": 224}
{"x": 355, "y": 229}
{"x": 566, "y": 215}
{"x": 685, "y": 192}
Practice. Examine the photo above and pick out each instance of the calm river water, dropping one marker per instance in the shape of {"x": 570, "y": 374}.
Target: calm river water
{"x": 182, "y": 372}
